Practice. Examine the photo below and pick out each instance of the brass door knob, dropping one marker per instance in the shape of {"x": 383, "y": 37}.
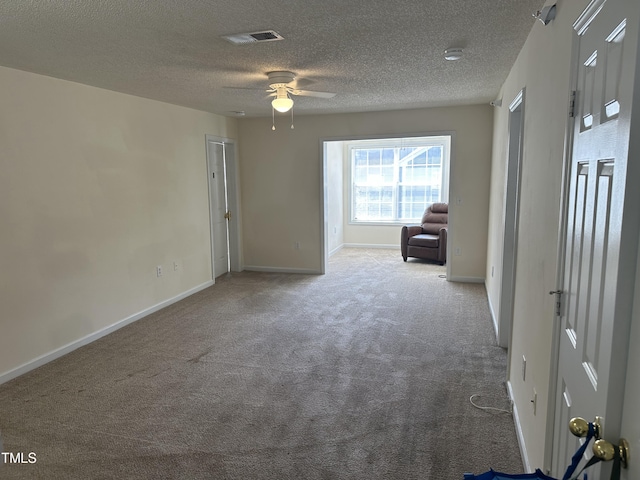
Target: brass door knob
{"x": 579, "y": 427}
{"x": 607, "y": 451}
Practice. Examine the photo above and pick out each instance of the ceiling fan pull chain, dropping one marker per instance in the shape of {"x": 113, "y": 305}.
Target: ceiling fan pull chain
{"x": 291, "y": 118}
{"x": 273, "y": 119}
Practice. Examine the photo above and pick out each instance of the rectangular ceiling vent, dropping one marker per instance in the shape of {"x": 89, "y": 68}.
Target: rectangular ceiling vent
{"x": 243, "y": 38}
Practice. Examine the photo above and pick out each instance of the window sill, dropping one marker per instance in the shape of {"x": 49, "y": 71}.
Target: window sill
{"x": 400, "y": 223}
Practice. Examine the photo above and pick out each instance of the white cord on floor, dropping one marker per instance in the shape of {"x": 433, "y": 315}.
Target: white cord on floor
{"x": 486, "y": 408}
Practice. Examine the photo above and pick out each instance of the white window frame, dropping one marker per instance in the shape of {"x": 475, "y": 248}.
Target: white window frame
{"x": 443, "y": 141}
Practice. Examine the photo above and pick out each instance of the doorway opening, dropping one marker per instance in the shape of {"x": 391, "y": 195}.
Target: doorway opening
{"x": 223, "y": 205}
{"x": 511, "y": 210}
{"x": 371, "y": 186}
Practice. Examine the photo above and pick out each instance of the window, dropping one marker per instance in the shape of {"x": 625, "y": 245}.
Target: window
{"x": 395, "y": 180}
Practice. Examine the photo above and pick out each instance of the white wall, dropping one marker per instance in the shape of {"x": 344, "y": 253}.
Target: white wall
{"x": 281, "y": 180}
{"x": 543, "y": 67}
{"x": 334, "y": 194}
{"x": 97, "y": 189}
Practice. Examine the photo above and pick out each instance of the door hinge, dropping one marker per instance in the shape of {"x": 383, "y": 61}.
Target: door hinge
{"x": 572, "y": 104}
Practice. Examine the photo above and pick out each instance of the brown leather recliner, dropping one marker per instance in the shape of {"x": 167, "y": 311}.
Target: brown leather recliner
{"x": 428, "y": 240}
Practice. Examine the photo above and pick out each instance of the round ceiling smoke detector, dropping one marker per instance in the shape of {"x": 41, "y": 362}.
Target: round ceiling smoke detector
{"x": 453, "y": 54}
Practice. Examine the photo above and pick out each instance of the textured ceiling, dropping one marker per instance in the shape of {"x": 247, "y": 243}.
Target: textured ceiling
{"x": 375, "y": 55}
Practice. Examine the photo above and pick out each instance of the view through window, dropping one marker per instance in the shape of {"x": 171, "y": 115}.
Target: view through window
{"x": 395, "y": 180}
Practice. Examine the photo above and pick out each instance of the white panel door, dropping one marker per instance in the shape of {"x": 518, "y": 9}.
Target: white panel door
{"x": 602, "y": 231}
{"x": 219, "y": 212}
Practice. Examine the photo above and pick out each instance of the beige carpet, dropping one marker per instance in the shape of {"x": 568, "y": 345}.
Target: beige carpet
{"x": 363, "y": 373}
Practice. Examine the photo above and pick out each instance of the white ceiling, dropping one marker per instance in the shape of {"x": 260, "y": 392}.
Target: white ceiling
{"x": 376, "y": 54}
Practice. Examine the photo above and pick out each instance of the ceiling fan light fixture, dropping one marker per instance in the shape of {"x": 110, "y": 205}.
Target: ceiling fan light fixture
{"x": 453, "y": 54}
{"x": 282, "y": 102}
{"x": 282, "y": 105}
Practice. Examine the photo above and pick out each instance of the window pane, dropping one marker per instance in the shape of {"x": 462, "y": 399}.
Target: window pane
{"x": 388, "y": 156}
{"x": 420, "y": 158}
{"x": 419, "y": 194}
{"x": 360, "y": 174}
{"x": 372, "y": 211}
{"x": 415, "y": 174}
{"x": 393, "y": 183}
{"x": 387, "y": 174}
{"x": 435, "y": 156}
{"x": 386, "y": 211}
{"x": 434, "y": 176}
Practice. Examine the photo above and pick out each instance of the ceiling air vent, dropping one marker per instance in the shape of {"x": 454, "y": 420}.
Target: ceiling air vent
{"x": 242, "y": 38}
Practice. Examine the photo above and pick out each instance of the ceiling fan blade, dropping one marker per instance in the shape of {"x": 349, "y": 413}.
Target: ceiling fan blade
{"x": 248, "y": 88}
{"x": 312, "y": 93}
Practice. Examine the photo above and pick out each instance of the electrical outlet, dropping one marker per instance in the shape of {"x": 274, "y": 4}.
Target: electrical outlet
{"x": 457, "y": 251}
{"x": 175, "y": 266}
{"x": 159, "y": 270}
{"x": 296, "y": 245}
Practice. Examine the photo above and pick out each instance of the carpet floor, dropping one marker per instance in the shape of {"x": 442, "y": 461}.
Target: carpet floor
{"x": 363, "y": 373}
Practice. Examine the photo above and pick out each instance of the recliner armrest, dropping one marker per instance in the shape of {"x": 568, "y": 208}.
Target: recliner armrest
{"x": 407, "y": 232}
{"x": 412, "y": 230}
{"x": 442, "y": 244}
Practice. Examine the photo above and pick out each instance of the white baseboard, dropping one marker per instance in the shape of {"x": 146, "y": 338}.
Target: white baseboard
{"x": 372, "y": 245}
{"x": 336, "y": 250}
{"x": 258, "y": 268}
{"x": 516, "y": 419}
{"x": 48, "y": 357}
{"x": 466, "y": 279}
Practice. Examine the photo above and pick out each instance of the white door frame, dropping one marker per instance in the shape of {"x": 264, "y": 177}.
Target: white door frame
{"x": 233, "y": 199}
{"x": 511, "y": 216}
{"x": 560, "y": 264}
{"x": 324, "y": 209}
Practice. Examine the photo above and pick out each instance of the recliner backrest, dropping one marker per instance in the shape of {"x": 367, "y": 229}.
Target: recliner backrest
{"x": 435, "y": 217}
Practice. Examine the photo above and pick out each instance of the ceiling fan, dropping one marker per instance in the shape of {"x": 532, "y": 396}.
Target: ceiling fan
{"x": 281, "y": 86}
